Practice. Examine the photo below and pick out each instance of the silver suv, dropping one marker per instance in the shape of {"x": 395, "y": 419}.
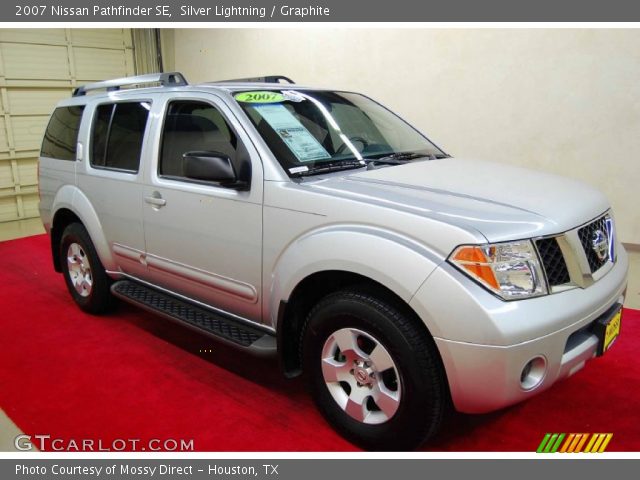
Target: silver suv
{"x": 321, "y": 227}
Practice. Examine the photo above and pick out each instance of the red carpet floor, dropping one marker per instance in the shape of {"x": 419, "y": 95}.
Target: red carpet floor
{"x": 131, "y": 375}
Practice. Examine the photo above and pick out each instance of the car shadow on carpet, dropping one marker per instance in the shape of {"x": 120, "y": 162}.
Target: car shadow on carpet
{"x": 266, "y": 372}
{"x": 260, "y": 370}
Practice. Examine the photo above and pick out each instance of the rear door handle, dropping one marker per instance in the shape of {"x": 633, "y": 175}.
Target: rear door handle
{"x": 155, "y": 199}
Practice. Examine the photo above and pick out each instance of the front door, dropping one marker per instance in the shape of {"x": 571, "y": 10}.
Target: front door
{"x": 203, "y": 239}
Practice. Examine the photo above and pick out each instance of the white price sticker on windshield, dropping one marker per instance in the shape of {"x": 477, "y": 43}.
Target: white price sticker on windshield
{"x": 299, "y": 140}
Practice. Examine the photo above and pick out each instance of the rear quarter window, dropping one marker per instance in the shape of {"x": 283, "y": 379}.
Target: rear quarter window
{"x": 61, "y": 136}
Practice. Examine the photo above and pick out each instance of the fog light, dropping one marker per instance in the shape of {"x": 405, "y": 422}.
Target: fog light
{"x": 533, "y": 373}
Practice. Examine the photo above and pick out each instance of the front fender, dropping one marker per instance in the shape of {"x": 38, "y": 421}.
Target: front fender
{"x": 73, "y": 199}
{"x": 394, "y": 260}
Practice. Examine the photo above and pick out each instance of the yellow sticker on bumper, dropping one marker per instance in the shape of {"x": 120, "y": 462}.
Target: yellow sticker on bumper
{"x": 612, "y": 331}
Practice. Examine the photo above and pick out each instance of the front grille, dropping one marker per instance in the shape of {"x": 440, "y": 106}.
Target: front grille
{"x": 553, "y": 261}
{"x": 586, "y": 235}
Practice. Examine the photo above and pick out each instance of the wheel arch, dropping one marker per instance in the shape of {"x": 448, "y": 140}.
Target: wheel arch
{"x": 292, "y": 314}
{"x": 61, "y": 220}
{"x": 332, "y": 257}
{"x": 71, "y": 205}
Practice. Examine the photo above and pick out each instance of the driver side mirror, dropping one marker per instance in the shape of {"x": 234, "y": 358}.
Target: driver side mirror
{"x": 210, "y": 166}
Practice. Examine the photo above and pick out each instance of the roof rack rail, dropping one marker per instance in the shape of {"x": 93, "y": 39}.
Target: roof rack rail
{"x": 266, "y": 79}
{"x": 168, "y": 79}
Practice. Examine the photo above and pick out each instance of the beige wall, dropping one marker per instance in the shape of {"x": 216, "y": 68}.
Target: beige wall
{"x": 562, "y": 100}
{"x": 167, "y": 49}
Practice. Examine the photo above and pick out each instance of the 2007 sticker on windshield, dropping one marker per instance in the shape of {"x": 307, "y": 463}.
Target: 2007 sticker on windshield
{"x": 259, "y": 97}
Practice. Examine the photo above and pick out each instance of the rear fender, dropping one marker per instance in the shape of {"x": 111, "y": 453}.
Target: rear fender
{"x": 73, "y": 199}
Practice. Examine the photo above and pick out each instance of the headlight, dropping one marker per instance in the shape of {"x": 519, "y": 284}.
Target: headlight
{"x": 510, "y": 270}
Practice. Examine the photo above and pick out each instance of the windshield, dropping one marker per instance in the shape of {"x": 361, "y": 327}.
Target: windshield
{"x": 312, "y": 130}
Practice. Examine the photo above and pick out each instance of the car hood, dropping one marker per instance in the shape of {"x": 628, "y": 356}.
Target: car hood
{"x": 500, "y": 201}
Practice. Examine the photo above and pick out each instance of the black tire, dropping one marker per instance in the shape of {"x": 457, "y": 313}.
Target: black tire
{"x": 422, "y": 392}
{"x": 97, "y": 298}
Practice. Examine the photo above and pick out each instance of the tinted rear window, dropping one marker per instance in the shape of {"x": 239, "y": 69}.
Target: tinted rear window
{"x": 61, "y": 137}
{"x": 117, "y": 135}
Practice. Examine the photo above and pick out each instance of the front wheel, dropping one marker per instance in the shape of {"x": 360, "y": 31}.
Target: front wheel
{"x": 374, "y": 372}
{"x": 83, "y": 272}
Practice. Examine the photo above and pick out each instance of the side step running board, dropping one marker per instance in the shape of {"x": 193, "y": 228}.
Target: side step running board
{"x": 212, "y": 323}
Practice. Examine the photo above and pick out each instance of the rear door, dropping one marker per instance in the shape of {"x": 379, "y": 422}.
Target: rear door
{"x": 204, "y": 240}
{"x": 112, "y": 179}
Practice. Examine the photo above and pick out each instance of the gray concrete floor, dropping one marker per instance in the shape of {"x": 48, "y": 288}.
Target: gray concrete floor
{"x": 33, "y": 226}
{"x": 8, "y": 432}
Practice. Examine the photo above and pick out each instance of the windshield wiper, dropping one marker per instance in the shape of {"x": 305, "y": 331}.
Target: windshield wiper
{"x": 399, "y": 158}
{"x": 333, "y": 167}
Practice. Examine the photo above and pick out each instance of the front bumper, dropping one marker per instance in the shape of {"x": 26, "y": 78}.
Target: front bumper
{"x": 485, "y": 343}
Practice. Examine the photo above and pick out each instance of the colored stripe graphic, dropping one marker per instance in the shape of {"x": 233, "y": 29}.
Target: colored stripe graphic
{"x": 605, "y": 444}
{"x": 550, "y": 443}
{"x": 567, "y": 442}
{"x": 574, "y": 443}
{"x": 581, "y": 443}
{"x": 591, "y": 442}
{"x": 556, "y": 445}
{"x": 543, "y": 443}
{"x": 601, "y": 443}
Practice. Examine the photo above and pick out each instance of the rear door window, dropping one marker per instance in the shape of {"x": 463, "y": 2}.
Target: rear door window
{"x": 61, "y": 137}
{"x": 117, "y": 136}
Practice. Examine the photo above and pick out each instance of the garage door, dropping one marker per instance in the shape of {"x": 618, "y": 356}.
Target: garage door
{"x": 38, "y": 68}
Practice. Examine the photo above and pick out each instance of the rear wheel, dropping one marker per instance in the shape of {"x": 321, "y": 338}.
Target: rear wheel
{"x": 83, "y": 272}
{"x": 374, "y": 372}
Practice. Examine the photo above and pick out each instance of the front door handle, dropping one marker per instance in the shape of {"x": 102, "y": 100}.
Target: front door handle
{"x": 156, "y": 200}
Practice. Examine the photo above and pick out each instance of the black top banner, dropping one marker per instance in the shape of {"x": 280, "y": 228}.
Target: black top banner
{"x": 319, "y": 11}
